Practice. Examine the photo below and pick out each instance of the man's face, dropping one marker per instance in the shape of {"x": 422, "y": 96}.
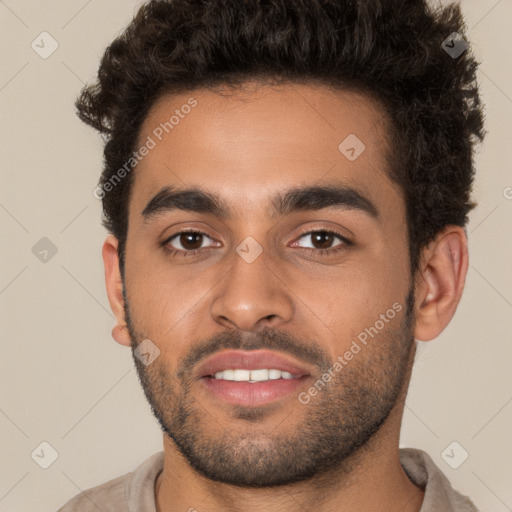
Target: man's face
{"x": 259, "y": 279}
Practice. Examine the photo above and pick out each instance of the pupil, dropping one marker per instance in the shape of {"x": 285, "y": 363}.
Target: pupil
{"x": 324, "y": 237}
{"x": 188, "y": 237}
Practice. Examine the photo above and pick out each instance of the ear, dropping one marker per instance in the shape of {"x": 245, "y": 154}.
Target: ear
{"x": 440, "y": 282}
{"x": 114, "y": 285}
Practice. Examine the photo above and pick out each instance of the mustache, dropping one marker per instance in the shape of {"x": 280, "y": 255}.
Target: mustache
{"x": 267, "y": 338}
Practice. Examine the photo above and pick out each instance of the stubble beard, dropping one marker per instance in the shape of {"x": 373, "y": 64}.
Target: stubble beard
{"x": 321, "y": 437}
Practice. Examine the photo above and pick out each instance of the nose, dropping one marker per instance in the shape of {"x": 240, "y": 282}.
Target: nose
{"x": 252, "y": 295}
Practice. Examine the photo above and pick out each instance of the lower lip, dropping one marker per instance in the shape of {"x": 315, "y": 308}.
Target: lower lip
{"x": 257, "y": 393}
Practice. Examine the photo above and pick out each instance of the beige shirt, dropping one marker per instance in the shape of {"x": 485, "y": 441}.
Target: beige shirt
{"x": 135, "y": 491}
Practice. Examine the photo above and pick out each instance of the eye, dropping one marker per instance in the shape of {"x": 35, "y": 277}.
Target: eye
{"x": 324, "y": 238}
{"x": 189, "y": 240}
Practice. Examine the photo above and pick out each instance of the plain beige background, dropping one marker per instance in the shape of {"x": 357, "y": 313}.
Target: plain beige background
{"x": 67, "y": 383}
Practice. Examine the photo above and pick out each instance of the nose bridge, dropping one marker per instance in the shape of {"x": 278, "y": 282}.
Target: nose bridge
{"x": 252, "y": 291}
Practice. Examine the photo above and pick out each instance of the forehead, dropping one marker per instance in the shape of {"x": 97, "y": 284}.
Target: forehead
{"x": 246, "y": 144}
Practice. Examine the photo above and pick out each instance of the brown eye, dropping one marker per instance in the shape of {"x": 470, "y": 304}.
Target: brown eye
{"x": 186, "y": 241}
{"x": 191, "y": 240}
{"x": 323, "y": 239}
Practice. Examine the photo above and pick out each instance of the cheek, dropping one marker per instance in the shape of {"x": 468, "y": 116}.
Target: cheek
{"x": 153, "y": 296}
{"x": 168, "y": 299}
{"x": 169, "y": 303}
{"x": 353, "y": 297}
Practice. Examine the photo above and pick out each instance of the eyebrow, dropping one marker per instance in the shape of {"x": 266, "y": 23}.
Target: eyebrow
{"x": 309, "y": 198}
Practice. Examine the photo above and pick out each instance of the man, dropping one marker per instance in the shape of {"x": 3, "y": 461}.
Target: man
{"x": 286, "y": 186}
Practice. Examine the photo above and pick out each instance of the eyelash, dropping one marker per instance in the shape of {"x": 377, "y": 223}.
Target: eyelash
{"x": 322, "y": 252}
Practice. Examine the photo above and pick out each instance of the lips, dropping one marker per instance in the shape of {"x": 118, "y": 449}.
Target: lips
{"x": 250, "y": 360}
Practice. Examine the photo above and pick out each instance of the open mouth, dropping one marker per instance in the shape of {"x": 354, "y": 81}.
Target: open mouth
{"x": 259, "y": 375}
{"x": 252, "y": 377}
{"x": 252, "y": 387}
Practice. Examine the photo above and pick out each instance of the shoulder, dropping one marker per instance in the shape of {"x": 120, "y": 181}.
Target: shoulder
{"x": 107, "y": 497}
{"x": 121, "y": 494}
{"x": 439, "y": 494}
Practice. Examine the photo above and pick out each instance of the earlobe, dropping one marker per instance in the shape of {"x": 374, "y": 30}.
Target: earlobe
{"x": 114, "y": 286}
{"x": 121, "y": 335}
{"x": 442, "y": 276}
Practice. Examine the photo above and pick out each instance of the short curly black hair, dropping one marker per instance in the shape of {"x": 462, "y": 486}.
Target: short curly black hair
{"x": 392, "y": 50}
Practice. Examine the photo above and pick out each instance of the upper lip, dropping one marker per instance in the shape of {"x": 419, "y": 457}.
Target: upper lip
{"x": 250, "y": 360}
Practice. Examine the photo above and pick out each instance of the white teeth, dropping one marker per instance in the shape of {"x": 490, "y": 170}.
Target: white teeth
{"x": 228, "y": 374}
{"x": 241, "y": 374}
{"x": 274, "y": 374}
{"x": 259, "y": 375}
